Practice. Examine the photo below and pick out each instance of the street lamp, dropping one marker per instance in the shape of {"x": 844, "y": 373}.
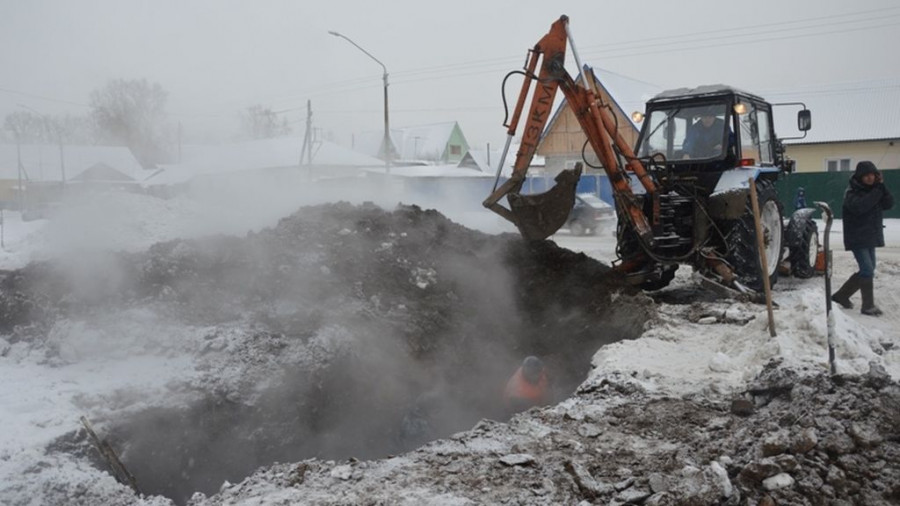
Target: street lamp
{"x": 386, "y": 142}
{"x": 47, "y": 128}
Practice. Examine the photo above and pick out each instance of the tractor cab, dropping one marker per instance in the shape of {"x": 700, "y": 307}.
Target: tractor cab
{"x": 709, "y": 129}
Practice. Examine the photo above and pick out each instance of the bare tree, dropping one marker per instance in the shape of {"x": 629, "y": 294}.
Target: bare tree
{"x": 73, "y": 129}
{"x": 258, "y": 122}
{"x": 32, "y": 128}
{"x": 25, "y": 127}
{"x": 132, "y": 112}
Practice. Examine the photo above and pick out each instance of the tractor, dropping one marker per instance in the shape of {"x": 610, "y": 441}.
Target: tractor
{"x": 682, "y": 193}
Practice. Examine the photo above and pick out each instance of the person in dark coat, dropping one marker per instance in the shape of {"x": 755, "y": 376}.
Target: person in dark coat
{"x": 865, "y": 200}
{"x": 704, "y": 137}
{"x": 800, "y": 201}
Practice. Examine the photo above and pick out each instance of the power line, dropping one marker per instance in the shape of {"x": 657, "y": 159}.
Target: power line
{"x": 623, "y": 50}
{"x": 705, "y": 43}
{"x": 730, "y": 32}
{"x": 39, "y": 97}
{"x": 642, "y": 43}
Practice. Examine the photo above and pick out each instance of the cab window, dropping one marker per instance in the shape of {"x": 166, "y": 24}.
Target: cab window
{"x": 756, "y": 142}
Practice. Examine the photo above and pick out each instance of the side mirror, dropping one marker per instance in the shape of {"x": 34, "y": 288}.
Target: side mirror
{"x": 804, "y": 120}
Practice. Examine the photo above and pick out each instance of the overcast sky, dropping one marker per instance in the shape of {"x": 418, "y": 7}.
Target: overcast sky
{"x": 445, "y": 60}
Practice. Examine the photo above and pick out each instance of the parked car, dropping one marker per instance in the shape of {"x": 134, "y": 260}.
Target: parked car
{"x": 588, "y": 214}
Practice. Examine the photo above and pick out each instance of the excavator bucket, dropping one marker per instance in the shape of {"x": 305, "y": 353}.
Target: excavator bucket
{"x": 539, "y": 216}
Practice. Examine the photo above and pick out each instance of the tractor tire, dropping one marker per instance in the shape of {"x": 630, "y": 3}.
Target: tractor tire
{"x": 803, "y": 255}
{"x": 576, "y": 228}
{"x": 743, "y": 253}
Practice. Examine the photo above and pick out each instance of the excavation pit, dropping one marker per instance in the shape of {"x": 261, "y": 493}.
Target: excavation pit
{"x": 351, "y": 331}
{"x": 349, "y": 409}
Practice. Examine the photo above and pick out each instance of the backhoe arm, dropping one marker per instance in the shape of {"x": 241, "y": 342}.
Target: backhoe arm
{"x": 539, "y": 216}
{"x": 602, "y": 132}
{"x": 550, "y": 54}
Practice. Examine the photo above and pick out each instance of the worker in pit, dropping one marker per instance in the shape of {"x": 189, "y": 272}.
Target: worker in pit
{"x": 527, "y": 387}
{"x": 704, "y": 137}
{"x": 865, "y": 200}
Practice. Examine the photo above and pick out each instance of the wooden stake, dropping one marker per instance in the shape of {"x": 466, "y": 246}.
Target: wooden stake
{"x": 763, "y": 261}
{"x": 119, "y": 471}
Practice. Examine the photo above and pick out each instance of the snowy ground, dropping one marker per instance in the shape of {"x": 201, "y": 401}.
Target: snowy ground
{"x": 678, "y": 357}
{"x": 690, "y": 349}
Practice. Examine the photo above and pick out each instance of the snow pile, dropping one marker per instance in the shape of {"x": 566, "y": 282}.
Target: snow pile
{"x": 717, "y": 347}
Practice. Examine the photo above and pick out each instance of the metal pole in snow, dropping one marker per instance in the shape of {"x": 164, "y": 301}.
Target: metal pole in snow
{"x": 829, "y": 217}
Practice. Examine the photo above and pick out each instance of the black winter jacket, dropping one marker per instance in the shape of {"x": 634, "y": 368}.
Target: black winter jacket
{"x": 862, "y": 214}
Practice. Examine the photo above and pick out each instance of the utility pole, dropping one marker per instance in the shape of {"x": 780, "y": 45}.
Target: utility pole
{"x": 21, "y": 190}
{"x": 62, "y": 155}
{"x": 306, "y": 150}
{"x": 416, "y": 146}
{"x": 50, "y": 127}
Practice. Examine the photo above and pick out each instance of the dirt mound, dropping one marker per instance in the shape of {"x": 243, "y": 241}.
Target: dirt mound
{"x": 409, "y": 261}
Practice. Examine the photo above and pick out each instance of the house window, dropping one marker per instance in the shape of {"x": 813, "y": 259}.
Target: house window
{"x": 455, "y": 150}
{"x": 837, "y": 165}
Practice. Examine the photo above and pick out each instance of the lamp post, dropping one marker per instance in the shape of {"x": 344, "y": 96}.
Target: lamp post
{"x": 58, "y": 128}
{"x": 21, "y": 191}
{"x": 386, "y": 142}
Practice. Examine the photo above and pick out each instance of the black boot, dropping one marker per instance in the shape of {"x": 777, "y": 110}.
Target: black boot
{"x": 843, "y": 295}
{"x": 868, "y": 297}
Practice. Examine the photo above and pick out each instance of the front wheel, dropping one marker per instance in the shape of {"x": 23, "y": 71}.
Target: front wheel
{"x": 803, "y": 254}
{"x": 743, "y": 252}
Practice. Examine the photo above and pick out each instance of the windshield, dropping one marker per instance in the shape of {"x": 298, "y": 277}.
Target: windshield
{"x": 683, "y": 132}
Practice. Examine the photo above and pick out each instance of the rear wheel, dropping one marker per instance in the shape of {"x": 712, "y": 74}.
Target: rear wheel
{"x": 743, "y": 253}
{"x": 576, "y": 228}
{"x": 803, "y": 255}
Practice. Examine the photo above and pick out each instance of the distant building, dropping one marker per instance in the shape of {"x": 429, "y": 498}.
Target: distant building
{"x": 850, "y": 122}
{"x": 437, "y": 143}
{"x": 275, "y": 158}
{"x": 46, "y": 171}
{"x": 563, "y": 142}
